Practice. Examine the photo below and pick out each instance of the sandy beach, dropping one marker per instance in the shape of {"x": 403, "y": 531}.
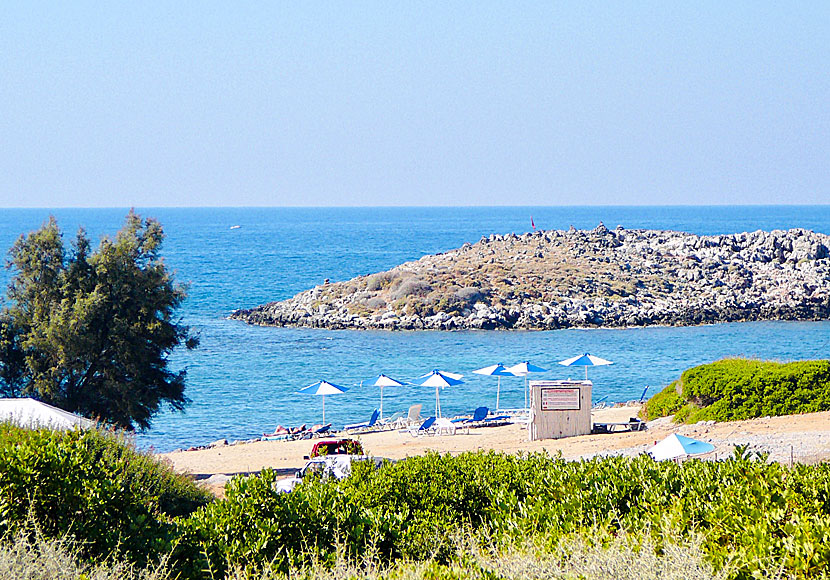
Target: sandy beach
{"x": 804, "y": 438}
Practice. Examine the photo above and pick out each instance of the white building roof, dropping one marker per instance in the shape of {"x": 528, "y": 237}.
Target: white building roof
{"x": 34, "y": 414}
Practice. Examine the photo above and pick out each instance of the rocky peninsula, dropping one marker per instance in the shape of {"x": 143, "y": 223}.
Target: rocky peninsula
{"x": 579, "y": 278}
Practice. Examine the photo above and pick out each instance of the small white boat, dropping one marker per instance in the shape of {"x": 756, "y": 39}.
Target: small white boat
{"x": 235, "y": 227}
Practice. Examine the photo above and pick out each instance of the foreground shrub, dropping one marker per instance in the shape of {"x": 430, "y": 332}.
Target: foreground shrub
{"x": 753, "y": 518}
{"x": 735, "y": 389}
{"x": 39, "y": 558}
{"x": 573, "y": 557}
{"x": 749, "y": 518}
{"x": 623, "y": 556}
{"x": 94, "y": 486}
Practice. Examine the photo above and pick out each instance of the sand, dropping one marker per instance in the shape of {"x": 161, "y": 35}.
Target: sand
{"x": 803, "y": 438}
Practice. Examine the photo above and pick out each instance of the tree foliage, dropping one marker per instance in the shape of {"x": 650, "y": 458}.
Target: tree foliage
{"x": 92, "y": 331}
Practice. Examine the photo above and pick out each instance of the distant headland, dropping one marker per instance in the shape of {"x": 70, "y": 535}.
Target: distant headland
{"x": 578, "y": 278}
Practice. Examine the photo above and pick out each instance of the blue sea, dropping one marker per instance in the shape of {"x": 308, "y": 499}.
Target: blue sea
{"x": 243, "y": 380}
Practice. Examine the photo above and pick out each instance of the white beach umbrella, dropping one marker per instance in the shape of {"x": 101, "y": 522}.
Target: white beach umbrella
{"x": 496, "y": 371}
{"x": 522, "y": 370}
{"x": 456, "y": 376}
{"x": 323, "y": 388}
{"x": 675, "y": 446}
{"x": 585, "y": 360}
{"x": 439, "y": 380}
{"x": 384, "y": 381}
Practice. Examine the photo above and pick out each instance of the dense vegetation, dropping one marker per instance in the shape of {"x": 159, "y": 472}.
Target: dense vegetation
{"x": 92, "y": 486}
{"x": 753, "y": 518}
{"x": 735, "y": 389}
{"x": 91, "y": 331}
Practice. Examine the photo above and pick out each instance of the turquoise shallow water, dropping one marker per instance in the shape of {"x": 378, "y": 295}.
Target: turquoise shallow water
{"x": 243, "y": 380}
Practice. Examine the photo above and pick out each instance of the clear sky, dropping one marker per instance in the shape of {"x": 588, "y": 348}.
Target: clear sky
{"x": 413, "y": 103}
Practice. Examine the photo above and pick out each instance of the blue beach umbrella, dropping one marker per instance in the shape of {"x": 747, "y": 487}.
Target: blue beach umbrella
{"x": 585, "y": 360}
{"x": 496, "y": 371}
{"x": 522, "y": 370}
{"x": 323, "y": 388}
{"x": 439, "y": 380}
{"x": 384, "y": 381}
{"x": 675, "y": 446}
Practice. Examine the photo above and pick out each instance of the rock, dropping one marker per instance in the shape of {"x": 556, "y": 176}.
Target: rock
{"x": 216, "y": 479}
{"x": 560, "y": 279}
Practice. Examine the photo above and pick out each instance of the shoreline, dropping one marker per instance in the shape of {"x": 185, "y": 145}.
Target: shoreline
{"x": 802, "y": 438}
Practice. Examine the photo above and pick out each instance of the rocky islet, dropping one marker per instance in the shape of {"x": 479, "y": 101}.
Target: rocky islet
{"x": 578, "y": 278}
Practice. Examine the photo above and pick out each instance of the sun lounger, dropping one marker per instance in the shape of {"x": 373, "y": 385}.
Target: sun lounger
{"x": 633, "y": 424}
{"x": 481, "y": 418}
{"x": 442, "y": 426}
{"x": 275, "y": 437}
{"x": 414, "y": 416}
{"x": 600, "y": 404}
{"x": 319, "y": 430}
{"x": 422, "y": 430}
{"x": 478, "y": 415}
{"x": 301, "y": 432}
{"x": 369, "y": 425}
{"x": 396, "y": 421}
{"x": 282, "y": 433}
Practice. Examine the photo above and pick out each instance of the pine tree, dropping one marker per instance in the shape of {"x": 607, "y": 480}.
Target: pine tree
{"x": 92, "y": 331}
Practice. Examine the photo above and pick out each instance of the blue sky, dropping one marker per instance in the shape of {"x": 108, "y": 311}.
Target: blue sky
{"x": 424, "y": 103}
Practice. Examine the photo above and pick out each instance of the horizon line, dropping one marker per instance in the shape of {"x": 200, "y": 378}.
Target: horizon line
{"x": 128, "y": 206}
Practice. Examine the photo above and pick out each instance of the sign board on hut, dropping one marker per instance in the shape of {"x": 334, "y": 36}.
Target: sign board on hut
{"x": 559, "y": 409}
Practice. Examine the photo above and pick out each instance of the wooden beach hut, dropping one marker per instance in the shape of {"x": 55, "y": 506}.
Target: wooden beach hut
{"x": 559, "y": 409}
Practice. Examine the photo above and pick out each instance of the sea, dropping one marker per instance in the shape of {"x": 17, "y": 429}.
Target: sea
{"x": 244, "y": 380}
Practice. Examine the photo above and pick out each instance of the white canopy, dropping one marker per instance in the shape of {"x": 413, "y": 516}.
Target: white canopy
{"x": 585, "y": 360}
{"x": 323, "y": 388}
{"x": 676, "y": 445}
{"x": 34, "y": 414}
{"x": 439, "y": 380}
{"x": 499, "y": 371}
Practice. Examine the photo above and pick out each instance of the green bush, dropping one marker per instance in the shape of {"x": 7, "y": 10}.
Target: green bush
{"x": 94, "y": 486}
{"x": 736, "y": 389}
{"x": 754, "y": 517}
{"x": 666, "y": 402}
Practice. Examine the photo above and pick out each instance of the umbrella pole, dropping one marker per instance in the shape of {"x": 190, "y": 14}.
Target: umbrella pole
{"x": 381, "y": 402}
{"x": 437, "y": 403}
{"x": 324, "y": 409}
{"x": 498, "y": 392}
{"x": 586, "y": 373}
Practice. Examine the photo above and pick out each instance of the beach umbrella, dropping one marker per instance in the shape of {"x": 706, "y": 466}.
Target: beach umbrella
{"x": 456, "y": 376}
{"x": 496, "y": 371}
{"x": 522, "y": 370}
{"x": 384, "y": 381}
{"x": 323, "y": 388}
{"x": 439, "y": 380}
{"x": 675, "y": 446}
{"x": 585, "y": 360}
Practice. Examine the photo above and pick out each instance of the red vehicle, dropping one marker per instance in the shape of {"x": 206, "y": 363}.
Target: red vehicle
{"x": 336, "y": 447}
